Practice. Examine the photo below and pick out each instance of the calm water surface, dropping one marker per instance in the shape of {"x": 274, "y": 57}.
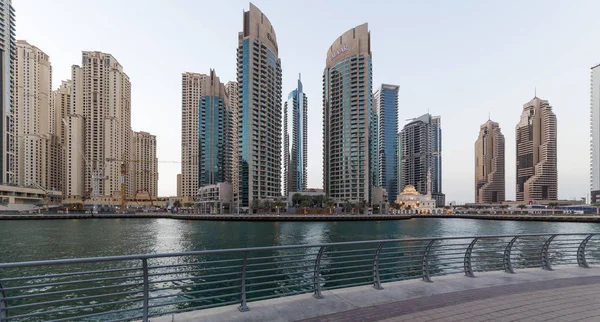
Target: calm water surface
{"x": 29, "y": 240}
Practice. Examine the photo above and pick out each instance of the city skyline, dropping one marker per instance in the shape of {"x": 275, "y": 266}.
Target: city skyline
{"x": 462, "y": 113}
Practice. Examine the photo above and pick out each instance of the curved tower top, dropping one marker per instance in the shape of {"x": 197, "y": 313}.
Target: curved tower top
{"x": 355, "y": 41}
{"x": 258, "y": 26}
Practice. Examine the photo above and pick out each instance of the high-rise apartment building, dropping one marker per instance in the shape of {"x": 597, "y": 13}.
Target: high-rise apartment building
{"x": 259, "y": 110}
{"x": 347, "y": 114}
{"x": 536, "y": 153}
{"x": 145, "y": 163}
{"x": 489, "y": 164}
{"x": 231, "y": 89}
{"x": 101, "y": 114}
{"x": 386, "y": 101}
{"x": 595, "y": 134}
{"x": 8, "y": 57}
{"x": 31, "y": 115}
{"x": 422, "y": 155}
{"x": 295, "y": 136}
{"x": 215, "y": 119}
{"x": 191, "y": 88}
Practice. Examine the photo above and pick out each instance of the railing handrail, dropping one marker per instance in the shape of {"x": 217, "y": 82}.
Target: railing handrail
{"x": 264, "y": 248}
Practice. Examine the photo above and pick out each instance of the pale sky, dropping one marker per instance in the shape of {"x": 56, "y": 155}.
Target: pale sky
{"x": 458, "y": 59}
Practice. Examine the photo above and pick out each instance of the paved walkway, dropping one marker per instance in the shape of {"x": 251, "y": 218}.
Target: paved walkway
{"x": 565, "y": 294}
{"x": 570, "y": 299}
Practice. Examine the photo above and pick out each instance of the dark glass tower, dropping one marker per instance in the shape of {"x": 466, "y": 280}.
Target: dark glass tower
{"x": 295, "y": 145}
{"x": 386, "y": 100}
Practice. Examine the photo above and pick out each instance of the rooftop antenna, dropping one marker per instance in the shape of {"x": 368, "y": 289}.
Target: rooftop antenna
{"x": 535, "y": 91}
{"x": 489, "y": 116}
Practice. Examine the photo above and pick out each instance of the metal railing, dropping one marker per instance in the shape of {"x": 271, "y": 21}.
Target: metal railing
{"x": 137, "y": 287}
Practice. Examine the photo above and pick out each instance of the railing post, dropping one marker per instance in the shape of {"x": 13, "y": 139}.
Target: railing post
{"x": 376, "y": 278}
{"x": 468, "y": 265}
{"x": 581, "y": 261}
{"x": 506, "y": 257}
{"x": 3, "y": 304}
{"x": 544, "y": 256}
{"x": 146, "y": 290}
{"x": 317, "y": 273}
{"x": 244, "y": 306}
{"x": 425, "y": 268}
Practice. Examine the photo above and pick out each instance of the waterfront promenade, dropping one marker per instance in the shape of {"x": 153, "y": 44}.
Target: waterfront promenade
{"x": 565, "y": 294}
{"x": 311, "y": 217}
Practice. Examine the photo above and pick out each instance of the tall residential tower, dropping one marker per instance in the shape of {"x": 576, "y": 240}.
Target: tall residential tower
{"x": 259, "y": 110}
{"x": 421, "y": 143}
{"x": 536, "y": 153}
{"x": 145, "y": 163}
{"x": 191, "y": 89}
{"x": 295, "y": 146}
{"x": 595, "y": 134}
{"x": 489, "y": 164}
{"x": 347, "y": 110}
{"x": 8, "y": 57}
{"x": 386, "y": 100}
{"x": 215, "y": 140}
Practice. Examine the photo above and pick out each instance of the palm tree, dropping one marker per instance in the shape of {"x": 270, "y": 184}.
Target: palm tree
{"x": 255, "y": 205}
{"x": 305, "y": 203}
{"x": 503, "y": 207}
{"x": 318, "y": 200}
{"x": 177, "y": 204}
{"x": 278, "y": 205}
{"x": 329, "y": 204}
{"x": 347, "y": 205}
{"x": 296, "y": 199}
{"x": 267, "y": 205}
{"x": 362, "y": 206}
{"x": 522, "y": 207}
{"x": 553, "y": 205}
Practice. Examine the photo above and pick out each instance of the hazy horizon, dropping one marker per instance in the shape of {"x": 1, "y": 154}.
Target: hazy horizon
{"x": 462, "y": 60}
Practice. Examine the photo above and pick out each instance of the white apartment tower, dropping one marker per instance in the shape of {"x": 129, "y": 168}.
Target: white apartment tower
{"x": 595, "y": 134}
{"x": 191, "y": 89}
{"x": 32, "y": 117}
{"x": 8, "y": 57}
{"x": 145, "y": 163}
{"x": 101, "y": 114}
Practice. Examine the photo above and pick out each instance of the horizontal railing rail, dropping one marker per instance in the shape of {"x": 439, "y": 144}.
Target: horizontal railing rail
{"x": 137, "y": 287}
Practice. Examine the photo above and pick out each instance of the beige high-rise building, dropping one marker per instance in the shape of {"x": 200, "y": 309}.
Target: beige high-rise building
{"x": 33, "y": 80}
{"x": 145, "y": 163}
{"x": 191, "y": 90}
{"x": 536, "y": 153}
{"x": 101, "y": 114}
{"x": 231, "y": 88}
{"x": 489, "y": 164}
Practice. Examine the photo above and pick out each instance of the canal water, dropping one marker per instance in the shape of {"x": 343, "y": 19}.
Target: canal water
{"x": 28, "y": 240}
{"x": 196, "y": 282}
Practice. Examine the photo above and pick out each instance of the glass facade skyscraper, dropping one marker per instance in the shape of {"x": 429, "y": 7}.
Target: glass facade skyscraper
{"x": 259, "y": 110}
{"x": 8, "y": 56}
{"x": 347, "y": 113}
{"x": 386, "y": 101}
{"x": 295, "y": 113}
{"x": 421, "y": 144}
{"x": 215, "y": 117}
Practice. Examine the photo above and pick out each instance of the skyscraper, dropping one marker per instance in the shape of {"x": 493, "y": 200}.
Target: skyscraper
{"x": 386, "y": 100}
{"x": 489, "y": 164}
{"x": 295, "y": 146}
{"x": 101, "y": 99}
{"x": 536, "y": 152}
{"x": 32, "y": 116}
{"x": 145, "y": 165}
{"x": 214, "y": 130}
{"x": 191, "y": 88}
{"x": 347, "y": 108}
{"x": 422, "y": 155}
{"x": 8, "y": 56}
{"x": 231, "y": 89}
{"x": 259, "y": 109}
{"x": 595, "y": 134}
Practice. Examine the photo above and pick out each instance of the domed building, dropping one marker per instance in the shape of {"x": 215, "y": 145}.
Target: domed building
{"x": 411, "y": 199}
